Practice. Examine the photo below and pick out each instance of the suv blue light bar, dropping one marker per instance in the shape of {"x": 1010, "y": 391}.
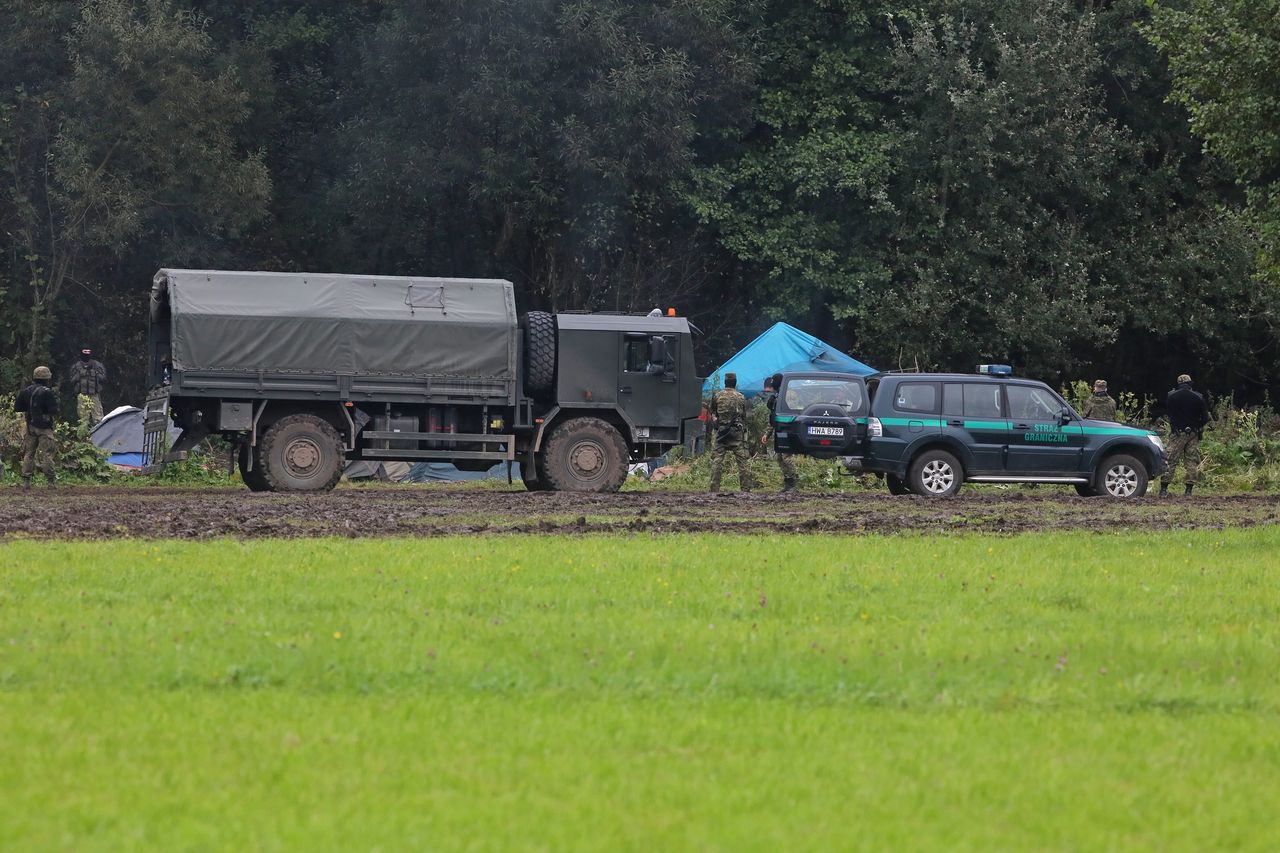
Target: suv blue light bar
{"x": 996, "y": 369}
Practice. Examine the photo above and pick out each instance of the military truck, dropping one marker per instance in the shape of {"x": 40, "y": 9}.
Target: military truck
{"x": 304, "y": 372}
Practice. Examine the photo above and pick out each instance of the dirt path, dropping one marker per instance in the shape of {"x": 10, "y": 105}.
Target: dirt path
{"x": 98, "y": 513}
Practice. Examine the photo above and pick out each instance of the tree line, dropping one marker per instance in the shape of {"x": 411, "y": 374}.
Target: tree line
{"x": 1077, "y": 187}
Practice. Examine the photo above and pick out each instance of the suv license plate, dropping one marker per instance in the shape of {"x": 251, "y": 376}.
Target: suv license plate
{"x": 839, "y": 431}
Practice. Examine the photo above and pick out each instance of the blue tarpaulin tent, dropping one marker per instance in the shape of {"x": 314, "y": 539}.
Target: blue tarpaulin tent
{"x": 782, "y": 348}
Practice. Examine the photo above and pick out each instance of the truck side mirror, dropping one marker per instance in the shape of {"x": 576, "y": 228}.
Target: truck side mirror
{"x": 658, "y": 358}
{"x": 1064, "y": 417}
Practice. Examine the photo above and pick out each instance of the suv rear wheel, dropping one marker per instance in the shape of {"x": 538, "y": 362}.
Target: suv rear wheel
{"x": 935, "y": 474}
{"x": 1121, "y": 477}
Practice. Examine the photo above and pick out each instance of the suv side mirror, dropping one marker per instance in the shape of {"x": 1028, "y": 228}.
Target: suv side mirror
{"x": 1064, "y": 417}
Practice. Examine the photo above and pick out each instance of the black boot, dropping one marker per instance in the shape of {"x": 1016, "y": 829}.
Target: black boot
{"x": 1190, "y": 486}
{"x": 1164, "y": 490}
{"x": 788, "y": 484}
{"x": 26, "y": 482}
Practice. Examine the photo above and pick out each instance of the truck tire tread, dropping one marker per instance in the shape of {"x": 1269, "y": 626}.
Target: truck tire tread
{"x": 556, "y": 470}
{"x": 539, "y": 352}
{"x": 326, "y": 439}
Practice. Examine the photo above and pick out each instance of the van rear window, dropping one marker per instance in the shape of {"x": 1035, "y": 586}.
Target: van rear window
{"x": 799, "y": 394}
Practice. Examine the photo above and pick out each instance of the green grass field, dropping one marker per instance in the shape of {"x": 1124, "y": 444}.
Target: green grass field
{"x": 1050, "y": 691}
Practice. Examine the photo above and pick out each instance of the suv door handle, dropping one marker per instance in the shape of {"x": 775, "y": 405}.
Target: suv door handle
{"x": 1022, "y": 426}
{"x": 955, "y": 423}
{"x": 625, "y": 389}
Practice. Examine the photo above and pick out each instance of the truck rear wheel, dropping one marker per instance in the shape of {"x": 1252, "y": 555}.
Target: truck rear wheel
{"x": 585, "y": 455}
{"x": 539, "y": 352}
{"x": 301, "y": 453}
{"x": 252, "y": 476}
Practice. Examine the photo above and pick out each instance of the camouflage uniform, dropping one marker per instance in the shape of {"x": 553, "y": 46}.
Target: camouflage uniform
{"x": 1101, "y": 407}
{"x": 729, "y": 415}
{"x": 1183, "y": 447}
{"x": 39, "y": 404}
{"x": 87, "y": 378}
{"x": 785, "y": 461}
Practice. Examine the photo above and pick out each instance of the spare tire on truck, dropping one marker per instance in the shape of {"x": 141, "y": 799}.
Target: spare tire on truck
{"x": 539, "y": 353}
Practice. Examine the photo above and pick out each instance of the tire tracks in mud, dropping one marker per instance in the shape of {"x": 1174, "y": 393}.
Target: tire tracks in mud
{"x": 194, "y": 514}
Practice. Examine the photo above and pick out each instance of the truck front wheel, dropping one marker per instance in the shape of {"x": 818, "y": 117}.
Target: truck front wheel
{"x": 301, "y": 453}
{"x": 585, "y": 455}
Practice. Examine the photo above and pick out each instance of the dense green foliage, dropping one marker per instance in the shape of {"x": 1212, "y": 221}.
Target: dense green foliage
{"x": 930, "y": 182}
{"x": 711, "y": 692}
{"x": 1225, "y": 59}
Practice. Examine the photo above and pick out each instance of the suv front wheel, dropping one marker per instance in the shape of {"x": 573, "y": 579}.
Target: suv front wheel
{"x": 935, "y": 474}
{"x": 1121, "y": 476}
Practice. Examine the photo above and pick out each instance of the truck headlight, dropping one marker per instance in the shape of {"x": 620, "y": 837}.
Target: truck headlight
{"x": 1155, "y": 439}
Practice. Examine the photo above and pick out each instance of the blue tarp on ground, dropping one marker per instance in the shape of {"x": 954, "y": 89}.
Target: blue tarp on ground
{"x": 782, "y": 349}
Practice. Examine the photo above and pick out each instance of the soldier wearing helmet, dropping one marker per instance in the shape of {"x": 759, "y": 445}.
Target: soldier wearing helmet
{"x": 39, "y": 404}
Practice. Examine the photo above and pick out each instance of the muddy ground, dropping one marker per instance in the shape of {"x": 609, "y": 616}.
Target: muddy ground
{"x": 105, "y": 512}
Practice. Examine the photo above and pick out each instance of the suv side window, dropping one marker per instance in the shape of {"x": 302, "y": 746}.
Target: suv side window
{"x": 972, "y": 400}
{"x": 1028, "y": 403}
{"x": 916, "y": 397}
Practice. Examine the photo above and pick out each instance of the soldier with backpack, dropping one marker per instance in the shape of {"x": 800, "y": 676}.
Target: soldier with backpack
{"x": 39, "y": 403}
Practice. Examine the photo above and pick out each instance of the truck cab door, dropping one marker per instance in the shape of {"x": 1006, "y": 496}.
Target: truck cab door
{"x": 648, "y": 385}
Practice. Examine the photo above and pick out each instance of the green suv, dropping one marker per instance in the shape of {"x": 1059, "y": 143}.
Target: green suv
{"x": 929, "y": 433}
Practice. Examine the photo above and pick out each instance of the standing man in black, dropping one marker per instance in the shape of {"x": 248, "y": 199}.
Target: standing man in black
{"x": 39, "y": 404}
{"x": 1188, "y": 415}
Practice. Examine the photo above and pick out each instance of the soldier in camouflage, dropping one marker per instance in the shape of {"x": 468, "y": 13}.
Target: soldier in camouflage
{"x": 1188, "y": 416}
{"x": 38, "y": 404}
{"x": 87, "y": 378}
{"x": 785, "y": 462}
{"x": 1100, "y": 405}
{"x": 728, "y": 412}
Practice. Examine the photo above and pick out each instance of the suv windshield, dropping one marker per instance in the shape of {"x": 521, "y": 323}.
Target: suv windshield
{"x": 799, "y": 394}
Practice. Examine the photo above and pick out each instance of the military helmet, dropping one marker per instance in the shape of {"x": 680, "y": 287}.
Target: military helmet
{"x": 1184, "y": 379}
{"x": 42, "y": 372}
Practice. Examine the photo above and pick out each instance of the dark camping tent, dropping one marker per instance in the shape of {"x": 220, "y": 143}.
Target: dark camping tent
{"x": 782, "y": 348}
{"x": 120, "y": 434}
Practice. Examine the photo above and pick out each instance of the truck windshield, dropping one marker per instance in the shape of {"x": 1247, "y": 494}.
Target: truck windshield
{"x": 799, "y": 394}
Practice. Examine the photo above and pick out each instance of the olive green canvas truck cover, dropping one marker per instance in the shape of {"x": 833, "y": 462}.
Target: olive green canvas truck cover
{"x": 345, "y": 325}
